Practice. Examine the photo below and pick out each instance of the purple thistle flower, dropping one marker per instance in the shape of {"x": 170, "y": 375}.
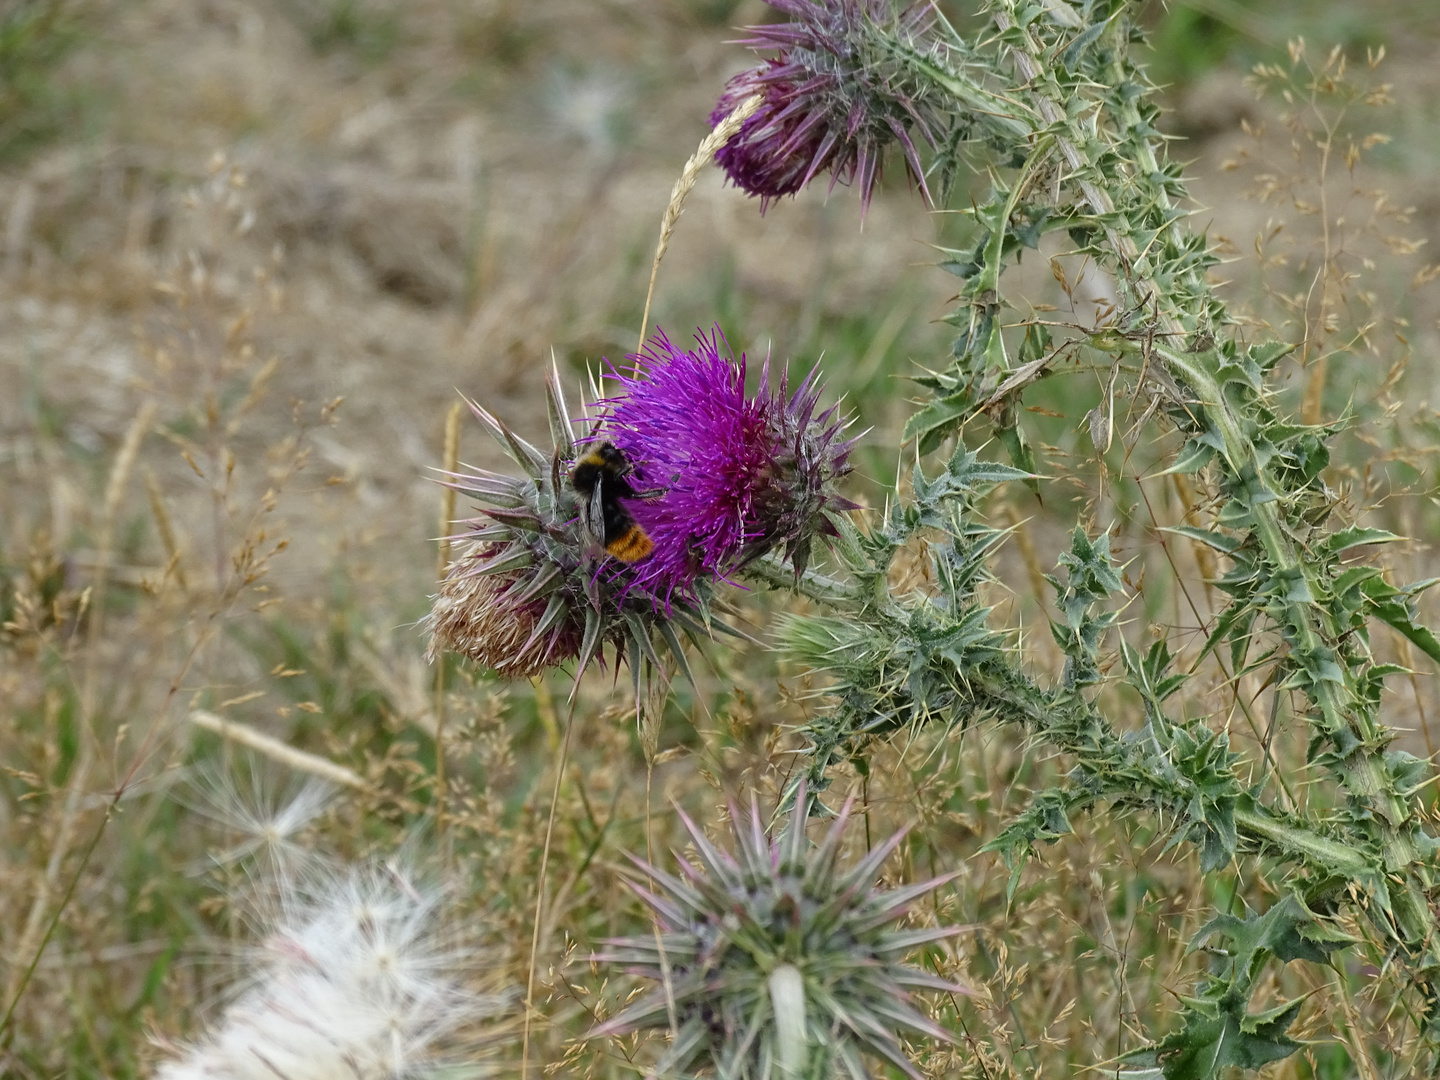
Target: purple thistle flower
{"x": 735, "y": 475}
{"x": 832, "y": 100}
{"x": 525, "y": 590}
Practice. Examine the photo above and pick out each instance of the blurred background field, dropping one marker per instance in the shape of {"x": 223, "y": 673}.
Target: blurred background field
{"x": 249, "y": 252}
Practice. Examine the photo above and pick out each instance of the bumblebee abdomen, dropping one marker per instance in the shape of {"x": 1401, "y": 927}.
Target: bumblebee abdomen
{"x": 631, "y": 545}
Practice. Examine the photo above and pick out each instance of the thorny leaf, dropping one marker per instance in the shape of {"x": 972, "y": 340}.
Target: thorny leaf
{"x": 1069, "y": 84}
{"x": 1288, "y": 931}
{"x": 1219, "y": 1034}
{"x": 1218, "y": 1030}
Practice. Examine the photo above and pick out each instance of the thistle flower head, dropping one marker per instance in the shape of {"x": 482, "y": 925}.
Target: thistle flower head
{"x": 530, "y": 587}
{"x": 355, "y": 981}
{"x": 735, "y": 475}
{"x": 774, "y": 961}
{"x": 831, "y": 99}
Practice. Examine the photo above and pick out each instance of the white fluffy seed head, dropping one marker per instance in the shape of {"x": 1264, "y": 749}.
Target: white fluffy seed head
{"x": 356, "y": 981}
{"x": 267, "y": 815}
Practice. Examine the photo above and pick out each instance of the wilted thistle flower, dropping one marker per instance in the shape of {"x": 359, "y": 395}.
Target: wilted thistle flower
{"x": 832, "y": 98}
{"x": 354, "y": 981}
{"x": 487, "y": 611}
{"x": 774, "y": 962}
{"x": 529, "y": 588}
{"x": 736, "y": 475}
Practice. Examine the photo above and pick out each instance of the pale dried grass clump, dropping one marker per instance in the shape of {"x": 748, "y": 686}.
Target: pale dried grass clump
{"x": 407, "y": 236}
{"x": 116, "y": 637}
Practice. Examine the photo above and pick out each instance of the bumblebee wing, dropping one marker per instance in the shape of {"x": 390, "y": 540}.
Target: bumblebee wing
{"x": 595, "y": 513}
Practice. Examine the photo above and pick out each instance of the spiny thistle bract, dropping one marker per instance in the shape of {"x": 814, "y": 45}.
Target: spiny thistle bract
{"x": 739, "y": 475}
{"x": 530, "y": 588}
{"x": 356, "y": 980}
{"x": 831, "y": 99}
{"x": 773, "y": 962}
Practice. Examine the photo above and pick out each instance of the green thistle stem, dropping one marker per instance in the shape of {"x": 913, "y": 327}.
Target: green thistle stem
{"x": 1346, "y": 723}
{"x": 771, "y": 570}
{"x": 1054, "y": 93}
{"x": 1358, "y": 739}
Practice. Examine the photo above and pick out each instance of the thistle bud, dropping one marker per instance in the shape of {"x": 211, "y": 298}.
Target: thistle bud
{"x": 773, "y": 957}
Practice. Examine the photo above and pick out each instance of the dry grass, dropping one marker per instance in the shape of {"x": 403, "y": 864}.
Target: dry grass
{"x": 271, "y": 208}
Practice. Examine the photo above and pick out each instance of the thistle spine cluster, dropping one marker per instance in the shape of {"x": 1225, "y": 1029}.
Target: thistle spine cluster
{"x": 773, "y": 961}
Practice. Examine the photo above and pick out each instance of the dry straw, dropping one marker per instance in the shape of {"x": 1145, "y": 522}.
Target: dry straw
{"x": 447, "y": 523}
{"x": 279, "y": 751}
{"x": 166, "y": 529}
{"x": 32, "y": 941}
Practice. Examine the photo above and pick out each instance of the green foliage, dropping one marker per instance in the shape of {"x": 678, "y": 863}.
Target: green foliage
{"x": 712, "y": 12}
{"x": 1090, "y": 578}
{"x": 904, "y": 663}
{"x": 1218, "y": 1030}
{"x": 362, "y": 27}
{"x": 35, "y": 36}
{"x": 1053, "y": 107}
{"x": 1188, "y": 42}
{"x": 1219, "y": 1034}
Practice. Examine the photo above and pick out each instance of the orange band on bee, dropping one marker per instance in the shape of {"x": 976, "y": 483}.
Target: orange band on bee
{"x": 631, "y": 546}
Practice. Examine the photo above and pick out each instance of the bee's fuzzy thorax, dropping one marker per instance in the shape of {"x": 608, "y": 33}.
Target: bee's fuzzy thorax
{"x": 601, "y": 479}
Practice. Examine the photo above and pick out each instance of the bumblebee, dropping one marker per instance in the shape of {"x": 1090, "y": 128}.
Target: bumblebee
{"x": 602, "y": 478}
